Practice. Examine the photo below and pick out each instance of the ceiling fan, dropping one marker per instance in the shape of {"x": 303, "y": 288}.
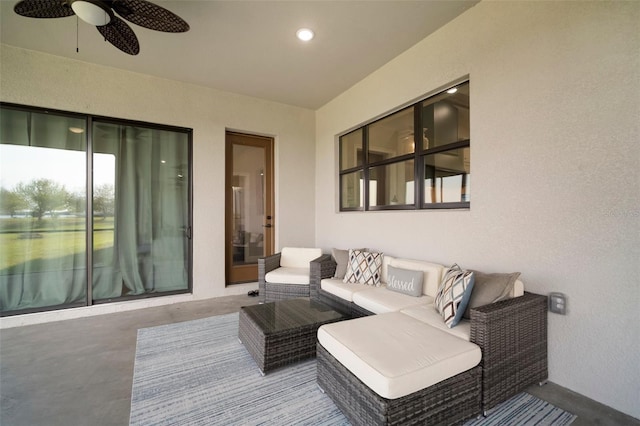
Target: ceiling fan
{"x": 102, "y": 14}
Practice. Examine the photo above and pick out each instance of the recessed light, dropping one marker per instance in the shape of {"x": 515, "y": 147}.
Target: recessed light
{"x": 304, "y": 34}
{"x": 452, "y": 90}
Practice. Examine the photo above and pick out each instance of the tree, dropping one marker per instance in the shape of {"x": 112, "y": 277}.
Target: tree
{"x": 104, "y": 199}
{"x": 76, "y": 202}
{"x": 42, "y": 195}
{"x": 11, "y": 202}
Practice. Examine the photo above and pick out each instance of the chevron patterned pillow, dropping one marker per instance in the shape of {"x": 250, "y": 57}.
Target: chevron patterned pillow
{"x": 364, "y": 267}
{"x": 453, "y": 294}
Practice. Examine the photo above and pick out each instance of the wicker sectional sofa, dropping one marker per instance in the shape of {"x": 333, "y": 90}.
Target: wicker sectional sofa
{"x": 501, "y": 350}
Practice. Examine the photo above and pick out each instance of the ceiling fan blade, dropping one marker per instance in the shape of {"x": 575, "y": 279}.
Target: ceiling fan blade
{"x": 43, "y": 8}
{"x": 118, "y": 33}
{"x": 149, "y": 15}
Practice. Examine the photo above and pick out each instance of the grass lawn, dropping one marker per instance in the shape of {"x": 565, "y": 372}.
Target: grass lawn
{"x": 29, "y": 240}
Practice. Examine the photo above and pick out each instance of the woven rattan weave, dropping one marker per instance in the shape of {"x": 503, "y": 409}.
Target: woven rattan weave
{"x": 449, "y": 402}
{"x": 284, "y": 332}
{"x": 512, "y": 335}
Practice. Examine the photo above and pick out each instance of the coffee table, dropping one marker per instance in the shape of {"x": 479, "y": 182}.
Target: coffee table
{"x": 283, "y": 332}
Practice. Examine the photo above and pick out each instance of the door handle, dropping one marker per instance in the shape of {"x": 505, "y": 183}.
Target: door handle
{"x": 268, "y": 225}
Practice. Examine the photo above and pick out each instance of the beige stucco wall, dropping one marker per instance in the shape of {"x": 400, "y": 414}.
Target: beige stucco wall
{"x": 37, "y": 79}
{"x": 555, "y": 159}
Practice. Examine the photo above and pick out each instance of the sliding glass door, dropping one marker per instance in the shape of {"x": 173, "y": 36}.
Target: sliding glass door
{"x": 136, "y": 201}
{"x": 140, "y": 210}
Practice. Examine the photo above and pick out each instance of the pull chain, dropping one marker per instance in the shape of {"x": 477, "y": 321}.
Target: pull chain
{"x": 77, "y": 37}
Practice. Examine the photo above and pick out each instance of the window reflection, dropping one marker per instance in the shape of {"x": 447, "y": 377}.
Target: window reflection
{"x": 392, "y": 136}
{"x": 445, "y": 118}
{"x": 352, "y": 192}
{"x": 351, "y": 150}
{"x": 393, "y": 184}
{"x": 42, "y": 210}
{"x": 447, "y": 177}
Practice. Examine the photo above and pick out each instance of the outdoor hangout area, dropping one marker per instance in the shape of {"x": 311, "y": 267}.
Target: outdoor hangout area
{"x": 283, "y": 213}
{"x": 399, "y": 340}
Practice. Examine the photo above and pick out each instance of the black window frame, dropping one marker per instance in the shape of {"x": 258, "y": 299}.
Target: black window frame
{"x": 419, "y": 155}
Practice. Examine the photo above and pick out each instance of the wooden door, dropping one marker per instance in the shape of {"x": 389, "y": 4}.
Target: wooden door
{"x": 248, "y": 205}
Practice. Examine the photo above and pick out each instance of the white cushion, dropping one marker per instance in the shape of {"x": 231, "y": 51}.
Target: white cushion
{"x": 432, "y": 273}
{"x": 385, "y": 268}
{"x": 379, "y": 300}
{"x": 295, "y": 257}
{"x": 518, "y": 289}
{"x": 429, "y": 315}
{"x": 288, "y": 276}
{"x": 396, "y": 355}
{"x": 341, "y": 289}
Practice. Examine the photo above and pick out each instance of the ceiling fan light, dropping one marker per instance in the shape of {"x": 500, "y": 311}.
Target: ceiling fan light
{"x": 92, "y": 12}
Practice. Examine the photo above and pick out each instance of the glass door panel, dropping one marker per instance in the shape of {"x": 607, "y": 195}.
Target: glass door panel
{"x": 42, "y": 210}
{"x": 141, "y": 220}
{"x": 249, "y": 212}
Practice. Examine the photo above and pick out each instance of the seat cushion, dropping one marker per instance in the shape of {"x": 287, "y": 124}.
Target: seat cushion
{"x": 428, "y": 314}
{"x": 296, "y": 257}
{"x": 341, "y": 289}
{"x": 379, "y": 300}
{"x": 288, "y": 276}
{"x": 396, "y": 355}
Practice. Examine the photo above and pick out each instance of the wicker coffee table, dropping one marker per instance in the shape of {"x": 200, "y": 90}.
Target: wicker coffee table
{"x": 284, "y": 332}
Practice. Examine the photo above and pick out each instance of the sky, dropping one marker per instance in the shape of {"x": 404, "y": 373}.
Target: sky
{"x": 19, "y": 163}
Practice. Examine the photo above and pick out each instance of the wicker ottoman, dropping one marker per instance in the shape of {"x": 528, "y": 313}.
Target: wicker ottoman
{"x": 449, "y": 402}
{"x": 391, "y": 369}
{"x": 284, "y": 332}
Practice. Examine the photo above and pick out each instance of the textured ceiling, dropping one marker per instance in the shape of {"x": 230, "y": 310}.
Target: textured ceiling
{"x": 249, "y": 47}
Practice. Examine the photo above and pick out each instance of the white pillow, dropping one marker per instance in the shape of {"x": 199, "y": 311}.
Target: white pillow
{"x": 364, "y": 267}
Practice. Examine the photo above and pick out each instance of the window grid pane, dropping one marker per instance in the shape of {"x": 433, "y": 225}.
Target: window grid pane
{"x": 351, "y": 151}
{"x": 447, "y": 177}
{"x": 352, "y": 191}
{"x": 392, "y": 184}
{"x": 445, "y": 118}
{"x": 392, "y": 136}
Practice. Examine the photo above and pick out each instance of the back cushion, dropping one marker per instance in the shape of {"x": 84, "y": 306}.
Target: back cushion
{"x": 432, "y": 273}
{"x": 295, "y": 257}
{"x": 385, "y": 268}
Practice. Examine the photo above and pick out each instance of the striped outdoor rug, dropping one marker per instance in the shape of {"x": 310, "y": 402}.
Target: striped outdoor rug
{"x": 198, "y": 373}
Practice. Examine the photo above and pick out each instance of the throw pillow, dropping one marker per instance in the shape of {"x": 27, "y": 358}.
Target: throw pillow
{"x": 453, "y": 294}
{"x": 342, "y": 259}
{"x": 490, "y": 288}
{"x": 364, "y": 267}
{"x": 405, "y": 281}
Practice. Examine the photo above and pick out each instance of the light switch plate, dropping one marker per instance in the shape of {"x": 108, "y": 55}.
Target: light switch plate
{"x": 558, "y": 303}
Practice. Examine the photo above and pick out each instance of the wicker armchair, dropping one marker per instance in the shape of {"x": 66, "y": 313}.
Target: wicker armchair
{"x": 286, "y": 275}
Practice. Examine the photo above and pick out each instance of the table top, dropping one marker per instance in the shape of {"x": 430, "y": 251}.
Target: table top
{"x": 275, "y": 317}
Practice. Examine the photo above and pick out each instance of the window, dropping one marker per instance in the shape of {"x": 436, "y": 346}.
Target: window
{"x": 124, "y": 228}
{"x": 384, "y": 166}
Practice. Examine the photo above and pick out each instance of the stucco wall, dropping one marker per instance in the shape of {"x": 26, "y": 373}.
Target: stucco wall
{"x": 37, "y": 79}
{"x": 555, "y": 107}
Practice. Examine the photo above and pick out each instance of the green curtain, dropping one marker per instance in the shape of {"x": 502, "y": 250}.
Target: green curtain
{"x": 42, "y": 258}
{"x": 148, "y": 252}
{"x": 151, "y": 213}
